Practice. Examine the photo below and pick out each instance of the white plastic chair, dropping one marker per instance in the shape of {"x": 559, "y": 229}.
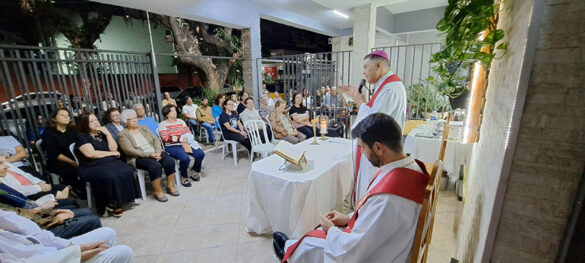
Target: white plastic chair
{"x": 203, "y": 132}
{"x": 255, "y": 136}
{"x": 214, "y": 131}
{"x": 141, "y": 174}
{"x": 217, "y": 134}
{"x": 54, "y": 176}
{"x": 225, "y": 148}
{"x": 87, "y": 184}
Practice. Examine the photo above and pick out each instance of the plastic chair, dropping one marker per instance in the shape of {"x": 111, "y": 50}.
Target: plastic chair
{"x": 225, "y": 148}
{"x": 87, "y": 184}
{"x": 255, "y": 136}
{"x": 272, "y": 139}
{"x": 217, "y": 134}
{"x": 202, "y": 131}
{"x": 54, "y": 176}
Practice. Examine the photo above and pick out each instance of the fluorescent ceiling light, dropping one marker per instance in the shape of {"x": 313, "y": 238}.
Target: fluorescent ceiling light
{"x": 340, "y": 14}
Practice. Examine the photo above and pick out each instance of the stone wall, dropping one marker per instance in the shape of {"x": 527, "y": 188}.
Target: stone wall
{"x": 550, "y": 154}
{"x": 487, "y": 155}
{"x": 247, "y": 63}
{"x": 525, "y": 169}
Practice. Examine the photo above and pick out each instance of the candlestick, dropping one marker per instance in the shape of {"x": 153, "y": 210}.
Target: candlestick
{"x": 323, "y": 125}
{"x": 314, "y": 131}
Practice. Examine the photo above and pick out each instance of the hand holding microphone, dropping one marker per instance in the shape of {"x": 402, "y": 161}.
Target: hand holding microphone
{"x": 362, "y": 85}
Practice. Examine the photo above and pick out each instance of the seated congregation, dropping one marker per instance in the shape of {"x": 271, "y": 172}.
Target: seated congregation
{"x": 103, "y": 158}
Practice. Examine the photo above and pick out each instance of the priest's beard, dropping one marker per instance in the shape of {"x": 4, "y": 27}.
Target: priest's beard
{"x": 374, "y": 160}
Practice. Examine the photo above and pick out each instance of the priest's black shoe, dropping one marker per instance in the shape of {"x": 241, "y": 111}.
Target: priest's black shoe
{"x": 278, "y": 242}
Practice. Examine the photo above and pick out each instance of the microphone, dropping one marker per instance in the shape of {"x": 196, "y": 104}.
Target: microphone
{"x": 362, "y": 85}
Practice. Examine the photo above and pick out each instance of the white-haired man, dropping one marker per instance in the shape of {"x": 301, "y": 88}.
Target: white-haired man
{"x": 389, "y": 97}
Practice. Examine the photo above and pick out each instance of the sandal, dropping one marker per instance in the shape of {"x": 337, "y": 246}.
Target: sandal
{"x": 195, "y": 177}
{"x": 115, "y": 212}
{"x": 173, "y": 193}
{"x": 185, "y": 182}
{"x": 162, "y": 199}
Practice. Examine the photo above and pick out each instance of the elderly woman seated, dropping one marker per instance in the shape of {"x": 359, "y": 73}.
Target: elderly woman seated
{"x": 265, "y": 108}
{"x": 112, "y": 122}
{"x": 283, "y": 126}
{"x": 144, "y": 151}
{"x": 179, "y": 143}
{"x": 250, "y": 113}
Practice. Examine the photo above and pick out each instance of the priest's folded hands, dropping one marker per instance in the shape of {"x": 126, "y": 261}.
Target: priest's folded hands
{"x": 333, "y": 218}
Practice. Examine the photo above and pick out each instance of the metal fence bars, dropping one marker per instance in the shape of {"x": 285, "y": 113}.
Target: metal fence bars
{"x": 411, "y": 64}
{"x": 307, "y": 74}
{"x": 37, "y": 80}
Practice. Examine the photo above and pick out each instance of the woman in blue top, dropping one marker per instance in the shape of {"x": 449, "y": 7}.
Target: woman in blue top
{"x": 216, "y": 110}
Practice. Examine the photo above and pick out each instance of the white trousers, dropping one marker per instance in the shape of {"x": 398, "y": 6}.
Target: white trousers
{"x": 116, "y": 254}
{"x": 311, "y": 249}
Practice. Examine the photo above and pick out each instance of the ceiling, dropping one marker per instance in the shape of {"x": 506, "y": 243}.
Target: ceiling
{"x": 314, "y": 15}
{"x": 322, "y": 10}
{"x": 413, "y": 5}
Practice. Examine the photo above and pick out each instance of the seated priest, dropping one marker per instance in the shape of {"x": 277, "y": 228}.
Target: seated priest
{"x": 23, "y": 241}
{"x": 63, "y": 218}
{"x": 29, "y": 185}
{"x": 383, "y": 226}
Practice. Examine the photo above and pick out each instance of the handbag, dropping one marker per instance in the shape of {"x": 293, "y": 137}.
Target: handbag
{"x": 187, "y": 147}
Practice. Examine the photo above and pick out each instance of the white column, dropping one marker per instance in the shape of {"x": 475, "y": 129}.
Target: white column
{"x": 256, "y": 49}
{"x": 364, "y": 36}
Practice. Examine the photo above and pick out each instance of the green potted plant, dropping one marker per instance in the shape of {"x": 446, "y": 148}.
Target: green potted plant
{"x": 424, "y": 97}
{"x": 463, "y": 26}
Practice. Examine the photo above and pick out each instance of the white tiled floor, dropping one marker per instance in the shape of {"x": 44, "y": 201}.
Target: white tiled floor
{"x": 207, "y": 222}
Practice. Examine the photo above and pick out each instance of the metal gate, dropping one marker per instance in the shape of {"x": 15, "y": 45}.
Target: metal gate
{"x": 411, "y": 64}
{"x": 37, "y": 80}
{"x": 307, "y": 73}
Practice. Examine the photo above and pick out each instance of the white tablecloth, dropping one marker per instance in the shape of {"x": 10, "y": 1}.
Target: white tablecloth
{"x": 291, "y": 201}
{"x": 427, "y": 150}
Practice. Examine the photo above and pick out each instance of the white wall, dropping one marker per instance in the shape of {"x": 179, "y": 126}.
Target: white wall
{"x": 486, "y": 176}
{"x": 132, "y": 36}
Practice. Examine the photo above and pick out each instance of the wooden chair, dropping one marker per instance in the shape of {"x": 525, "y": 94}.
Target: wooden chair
{"x": 445, "y": 138}
{"x": 424, "y": 229}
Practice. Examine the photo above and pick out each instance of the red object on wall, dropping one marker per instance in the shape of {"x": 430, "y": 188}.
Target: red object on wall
{"x": 272, "y": 71}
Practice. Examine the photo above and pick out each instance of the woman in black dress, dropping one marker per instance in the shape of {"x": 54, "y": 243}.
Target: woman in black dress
{"x": 56, "y": 140}
{"x": 112, "y": 180}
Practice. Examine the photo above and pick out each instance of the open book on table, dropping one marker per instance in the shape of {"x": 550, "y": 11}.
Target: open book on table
{"x": 288, "y": 151}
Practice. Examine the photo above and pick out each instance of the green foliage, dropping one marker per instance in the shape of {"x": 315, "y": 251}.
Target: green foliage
{"x": 210, "y": 94}
{"x": 462, "y": 25}
{"x": 236, "y": 74}
{"x": 53, "y": 17}
{"x": 426, "y": 97}
{"x": 233, "y": 41}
